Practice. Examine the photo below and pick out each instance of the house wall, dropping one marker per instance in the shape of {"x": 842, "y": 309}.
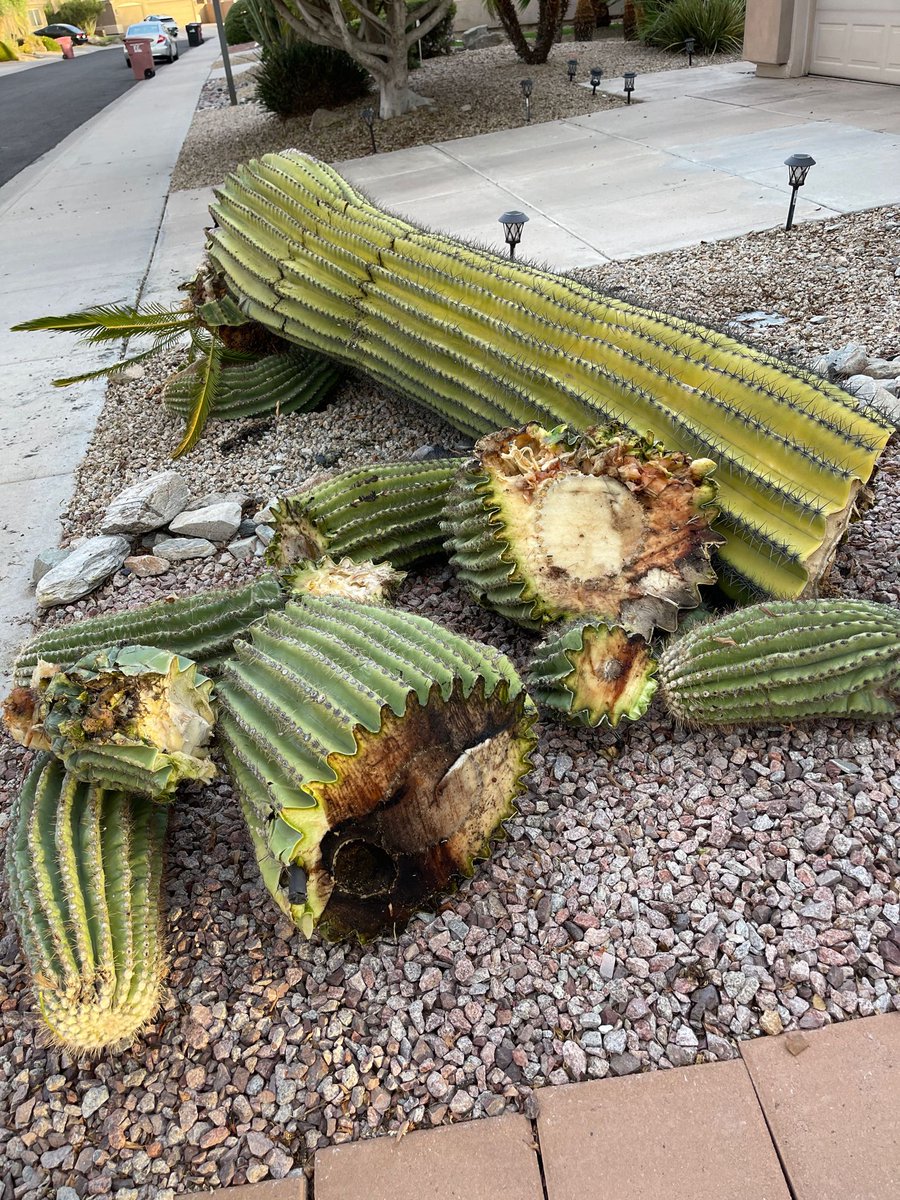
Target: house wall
{"x": 119, "y": 14}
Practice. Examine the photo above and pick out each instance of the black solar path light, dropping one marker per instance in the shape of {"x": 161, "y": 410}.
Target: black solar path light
{"x": 368, "y": 116}
{"x": 798, "y": 168}
{"x": 689, "y": 46}
{"x": 596, "y": 77}
{"x": 527, "y": 86}
{"x": 513, "y": 224}
{"x": 629, "y": 84}
{"x": 572, "y": 69}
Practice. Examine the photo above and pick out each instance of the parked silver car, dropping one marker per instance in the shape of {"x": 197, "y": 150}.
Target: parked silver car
{"x": 170, "y": 23}
{"x": 162, "y": 43}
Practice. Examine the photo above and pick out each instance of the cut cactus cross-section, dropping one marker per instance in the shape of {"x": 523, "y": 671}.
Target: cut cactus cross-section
{"x": 85, "y": 869}
{"x": 489, "y": 343}
{"x": 135, "y": 718}
{"x": 590, "y": 673}
{"x": 546, "y": 525}
{"x": 375, "y": 755}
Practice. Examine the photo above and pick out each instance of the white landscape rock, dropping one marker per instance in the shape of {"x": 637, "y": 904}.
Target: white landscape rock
{"x": 180, "y": 548}
{"x": 82, "y": 570}
{"x": 217, "y": 522}
{"x": 870, "y": 394}
{"x": 147, "y": 505}
{"x": 46, "y": 561}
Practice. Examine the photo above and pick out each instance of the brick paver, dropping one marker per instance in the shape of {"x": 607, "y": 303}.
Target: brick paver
{"x": 831, "y": 1099}
{"x": 481, "y": 1160}
{"x": 281, "y": 1189}
{"x": 697, "y": 1132}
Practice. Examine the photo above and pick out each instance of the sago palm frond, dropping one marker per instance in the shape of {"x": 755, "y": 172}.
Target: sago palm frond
{"x": 113, "y": 322}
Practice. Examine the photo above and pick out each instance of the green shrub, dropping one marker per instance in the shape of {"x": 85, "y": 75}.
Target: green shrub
{"x": 437, "y": 43}
{"x": 297, "y": 77}
{"x": 716, "y": 25}
{"x": 83, "y": 13}
{"x": 238, "y": 24}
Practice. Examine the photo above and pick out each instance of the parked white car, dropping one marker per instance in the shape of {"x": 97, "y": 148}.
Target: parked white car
{"x": 162, "y": 43}
{"x": 170, "y": 23}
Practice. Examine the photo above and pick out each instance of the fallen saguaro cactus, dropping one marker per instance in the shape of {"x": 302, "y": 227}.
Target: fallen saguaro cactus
{"x": 490, "y": 343}
{"x": 375, "y": 755}
{"x": 787, "y": 661}
{"x": 366, "y": 582}
{"x": 542, "y": 525}
{"x": 85, "y": 870}
{"x": 590, "y": 673}
{"x": 386, "y": 511}
{"x": 201, "y": 627}
{"x": 133, "y": 717}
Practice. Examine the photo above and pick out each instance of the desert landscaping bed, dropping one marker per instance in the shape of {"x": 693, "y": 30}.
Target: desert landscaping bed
{"x": 661, "y": 893}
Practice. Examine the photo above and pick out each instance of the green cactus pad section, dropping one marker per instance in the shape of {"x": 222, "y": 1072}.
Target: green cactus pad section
{"x": 545, "y": 525}
{"x": 389, "y": 511}
{"x": 200, "y": 627}
{"x": 375, "y": 755}
{"x": 85, "y": 872}
{"x": 296, "y": 381}
{"x": 591, "y": 673}
{"x": 134, "y": 717}
{"x": 365, "y": 582}
{"x": 786, "y": 661}
{"x": 489, "y": 343}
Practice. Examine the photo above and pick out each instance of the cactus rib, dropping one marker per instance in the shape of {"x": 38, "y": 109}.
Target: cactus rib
{"x": 85, "y": 873}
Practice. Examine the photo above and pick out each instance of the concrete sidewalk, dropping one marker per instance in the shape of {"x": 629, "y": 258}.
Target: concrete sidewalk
{"x": 803, "y": 1116}
{"x": 80, "y": 228}
{"x": 699, "y": 156}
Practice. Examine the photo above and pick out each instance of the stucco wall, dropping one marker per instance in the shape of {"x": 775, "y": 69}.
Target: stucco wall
{"x": 472, "y": 12}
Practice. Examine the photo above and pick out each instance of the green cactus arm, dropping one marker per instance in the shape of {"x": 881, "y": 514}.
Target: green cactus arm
{"x": 785, "y": 661}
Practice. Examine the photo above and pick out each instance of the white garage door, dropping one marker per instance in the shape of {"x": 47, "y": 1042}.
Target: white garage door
{"x": 857, "y": 39}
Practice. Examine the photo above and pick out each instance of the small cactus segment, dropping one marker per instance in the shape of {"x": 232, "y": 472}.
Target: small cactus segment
{"x": 488, "y": 343}
{"x": 389, "y": 511}
{"x": 295, "y": 381}
{"x": 542, "y": 525}
{"x": 367, "y": 582}
{"x": 135, "y": 718}
{"x": 375, "y": 755}
{"x": 592, "y": 673}
{"x": 85, "y": 872}
{"x": 200, "y": 627}
{"x": 786, "y": 661}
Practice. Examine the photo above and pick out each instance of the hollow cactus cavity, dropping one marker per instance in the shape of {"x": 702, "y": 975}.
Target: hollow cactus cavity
{"x": 375, "y": 755}
{"x": 489, "y": 343}
{"x": 543, "y": 525}
{"x": 590, "y": 673}
{"x": 786, "y": 661}
{"x": 135, "y": 718}
{"x": 85, "y": 869}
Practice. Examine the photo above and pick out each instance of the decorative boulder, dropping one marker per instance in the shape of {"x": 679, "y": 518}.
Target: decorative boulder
{"x": 147, "y": 505}
{"x": 81, "y": 571}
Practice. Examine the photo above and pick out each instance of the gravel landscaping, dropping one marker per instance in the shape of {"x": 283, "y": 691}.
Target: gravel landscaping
{"x": 660, "y": 895}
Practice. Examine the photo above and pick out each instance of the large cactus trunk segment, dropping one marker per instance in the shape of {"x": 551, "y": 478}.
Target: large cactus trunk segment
{"x": 490, "y": 343}
{"x": 785, "y": 662}
{"x": 542, "y": 525}
{"x": 375, "y": 755}
{"x": 85, "y": 873}
{"x": 388, "y": 511}
{"x": 201, "y": 627}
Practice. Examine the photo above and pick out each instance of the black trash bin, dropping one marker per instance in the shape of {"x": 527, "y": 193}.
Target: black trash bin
{"x": 194, "y": 32}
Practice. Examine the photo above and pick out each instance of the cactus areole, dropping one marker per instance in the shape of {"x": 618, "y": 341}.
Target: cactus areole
{"x": 489, "y": 343}
{"x": 543, "y": 525}
{"x": 375, "y": 754}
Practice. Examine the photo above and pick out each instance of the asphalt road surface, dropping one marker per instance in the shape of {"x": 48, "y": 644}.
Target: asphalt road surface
{"x": 41, "y": 106}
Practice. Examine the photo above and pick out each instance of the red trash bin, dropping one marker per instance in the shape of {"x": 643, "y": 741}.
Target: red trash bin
{"x": 140, "y": 56}
{"x": 65, "y": 44}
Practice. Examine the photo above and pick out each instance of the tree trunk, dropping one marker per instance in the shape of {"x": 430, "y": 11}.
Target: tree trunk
{"x": 550, "y": 18}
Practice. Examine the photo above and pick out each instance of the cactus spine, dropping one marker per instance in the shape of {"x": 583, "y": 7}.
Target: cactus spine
{"x": 85, "y": 873}
{"x": 591, "y": 673}
{"x": 387, "y": 511}
{"x": 375, "y": 755}
{"x": 200, "y": 627}
{"x": 542, "y": 525}
{"x": 490, "y": 343}
{"x": 785, "y": 662}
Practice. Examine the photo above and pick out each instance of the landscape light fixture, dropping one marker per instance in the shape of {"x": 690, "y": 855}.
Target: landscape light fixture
{"x": 629, "y": 84}
{"x": 572, "y": 69}
{"x": 368, "y": 116}
{"x": 596, "y": 77}
{"x": 689, "y": 44}
{"x": 513, "y": 223}
{"x": 527, "y": 86}
{"x": 798, "y": 168}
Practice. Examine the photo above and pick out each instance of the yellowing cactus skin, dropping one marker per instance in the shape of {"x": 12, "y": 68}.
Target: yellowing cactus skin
{"x": 375, "y": 755}
{"x": 490, "y": 343}
{"x": 85, "y": 872}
